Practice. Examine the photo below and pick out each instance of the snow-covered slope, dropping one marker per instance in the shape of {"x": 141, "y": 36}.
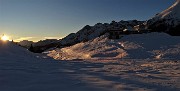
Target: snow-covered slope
{"x": 171, "y": 12}
{"x": 9, "y": 50}
{"x": 21, "y": 70}
{"x": 138, "y": 46}
{"x": 167, "y": 21}
{"x": 99, "y": 47}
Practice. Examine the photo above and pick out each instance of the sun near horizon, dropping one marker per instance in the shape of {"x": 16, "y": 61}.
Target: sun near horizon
{"x": 4, "y": 38}
{"x": 36, "y": 20}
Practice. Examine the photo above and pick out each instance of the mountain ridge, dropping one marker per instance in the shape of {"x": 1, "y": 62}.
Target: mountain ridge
{"x": 167, "y": 21}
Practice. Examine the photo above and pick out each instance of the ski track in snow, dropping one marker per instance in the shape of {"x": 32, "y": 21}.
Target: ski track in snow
{"x": 21, "y": 70}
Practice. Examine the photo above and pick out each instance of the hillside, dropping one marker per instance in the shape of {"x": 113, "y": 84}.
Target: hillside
{"x": 21, "y": 70}
{"x": 91, "y": 32}
{"x": 167, "y": 21}
{"x": 137, "y": 46}
{"x": 118, "y": 56}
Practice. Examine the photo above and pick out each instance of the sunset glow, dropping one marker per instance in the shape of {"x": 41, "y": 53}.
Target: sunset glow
{"x": 4, "y": 38}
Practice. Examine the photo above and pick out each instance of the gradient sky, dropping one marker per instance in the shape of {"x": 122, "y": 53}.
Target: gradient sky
{"x": 40, "y": 19}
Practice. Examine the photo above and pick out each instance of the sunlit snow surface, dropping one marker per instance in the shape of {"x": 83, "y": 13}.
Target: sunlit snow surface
{"x": 145, "y": 62}
{"x": 21, "y": 70}
{"x": 137, "y": 46}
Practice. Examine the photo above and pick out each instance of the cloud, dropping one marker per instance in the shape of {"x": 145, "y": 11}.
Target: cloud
{"x": 35, "y": 39}
{"x": 52, "y": 37}
{"x": 24, "y": 38}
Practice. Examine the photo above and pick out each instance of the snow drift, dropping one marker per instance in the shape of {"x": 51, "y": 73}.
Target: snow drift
{"x": 137, "y": 46}
{"x": 21, "y": 70}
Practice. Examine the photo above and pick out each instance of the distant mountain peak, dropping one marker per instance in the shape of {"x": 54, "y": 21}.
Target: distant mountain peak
{"x": 167, "y": 21}
{"x": 171, "y": 12}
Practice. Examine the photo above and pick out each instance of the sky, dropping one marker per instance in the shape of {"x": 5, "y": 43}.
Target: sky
{"x": 46, "y": 19}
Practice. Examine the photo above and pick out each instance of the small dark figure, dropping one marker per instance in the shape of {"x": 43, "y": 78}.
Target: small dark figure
{"x": 31, "y": 48}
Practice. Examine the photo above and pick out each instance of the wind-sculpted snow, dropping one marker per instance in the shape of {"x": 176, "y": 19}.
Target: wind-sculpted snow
{"x": 137, "y": 46}
{"x": 21, "y": 70}
{"x": 99, "y": 47}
